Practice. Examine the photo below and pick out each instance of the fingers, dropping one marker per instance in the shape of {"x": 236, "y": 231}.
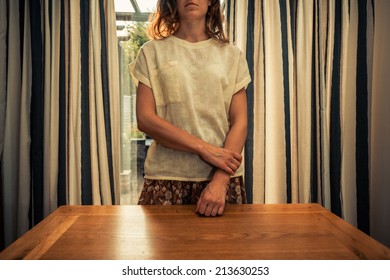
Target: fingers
{"x": 220, "y": 210}
{"x": 209, "y": 208}
{"x": 228, "y": 170}
{"x": 234, "y": 164}
{"x": 231, "y": 166}
{"x": 214, "y": 211}
{"x": 237, "y": 156}
{"x": 199, "y": 205}
{"x": 234, "y": 161}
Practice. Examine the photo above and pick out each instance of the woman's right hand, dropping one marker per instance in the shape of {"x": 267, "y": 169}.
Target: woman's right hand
{"x": 222, "y": 158}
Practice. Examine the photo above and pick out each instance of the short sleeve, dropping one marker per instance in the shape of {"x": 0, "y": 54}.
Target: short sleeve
{"x": 139, "y": 69}
{"x": 243, "y": 77}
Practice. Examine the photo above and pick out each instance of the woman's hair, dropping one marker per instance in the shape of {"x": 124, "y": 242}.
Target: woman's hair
{"x": 165, "y": 21}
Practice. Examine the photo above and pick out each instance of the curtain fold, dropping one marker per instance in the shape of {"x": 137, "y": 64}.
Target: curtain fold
{"x": 348, "y": 112}
{"x": 85, "y": 104}
{"x": 113, "y": 87}
{"x": 37, "y": 115}
{"x": 74, "y": 103}
{"x": 3, "y": 70}
{"x": 25, "y": 140}
{"x": 334, "y": 124}
{"x": 62, "y": 108}
{"x": 379, "y": 124}
{"x": 362, "y": 98}
{"x": 304, "y": 96}
{"x": 258, "y": 107}
{"x": 249, "y": 49}
{"x": 99, "y": 82}
{"x": 275, "y": 141}
{"x": 11, "y": 153}
{"x": 3, "y": 102}
{"x": 51, "y": 102}
{"x": 59, "y": 127}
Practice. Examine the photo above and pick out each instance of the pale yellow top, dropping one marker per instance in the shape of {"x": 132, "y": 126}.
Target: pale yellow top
{"x": 192, "y": 84}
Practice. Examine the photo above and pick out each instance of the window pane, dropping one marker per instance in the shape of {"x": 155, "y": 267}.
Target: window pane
{"x": 123, "y": 6}
{"x": 147, "y": 6}
{"x": 131, "y": 36}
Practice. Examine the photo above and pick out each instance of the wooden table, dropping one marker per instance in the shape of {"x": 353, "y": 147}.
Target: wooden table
{"x": 285, "y": 231}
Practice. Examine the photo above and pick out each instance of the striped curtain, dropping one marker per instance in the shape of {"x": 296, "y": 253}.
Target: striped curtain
{"x": 310, "y": 102}
{"x": 59, "y": 101}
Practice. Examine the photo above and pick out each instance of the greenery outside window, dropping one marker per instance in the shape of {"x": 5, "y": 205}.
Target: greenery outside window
{"x": 132, "y": 19}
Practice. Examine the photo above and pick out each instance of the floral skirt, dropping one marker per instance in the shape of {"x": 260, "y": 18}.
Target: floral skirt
{"x": 168, "y": 192}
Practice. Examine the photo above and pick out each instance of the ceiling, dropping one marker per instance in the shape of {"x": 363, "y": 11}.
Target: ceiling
{"x": 134, "y": 10}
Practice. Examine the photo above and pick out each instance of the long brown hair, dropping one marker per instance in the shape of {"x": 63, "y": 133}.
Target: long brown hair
{"x": 165, "y": 21}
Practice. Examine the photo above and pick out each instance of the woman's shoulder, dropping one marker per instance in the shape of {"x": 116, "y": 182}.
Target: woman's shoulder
{"x": 154, "y": 43}
{"x": 227, "y": 46}
{"x": 152, "y": 48}
{"x": 233, "y": 48}
{"x": 228, "y": 50}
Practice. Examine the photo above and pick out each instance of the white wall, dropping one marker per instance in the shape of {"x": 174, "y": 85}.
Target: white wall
{"x": 380, "y": 126}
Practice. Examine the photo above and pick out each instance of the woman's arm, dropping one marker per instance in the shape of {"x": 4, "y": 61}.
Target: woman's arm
{"x": 173, "y": 137}
{"x": 212, "y": 199}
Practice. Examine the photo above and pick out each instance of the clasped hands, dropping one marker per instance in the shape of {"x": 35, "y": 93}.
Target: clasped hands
{"x": 212, "y": 200}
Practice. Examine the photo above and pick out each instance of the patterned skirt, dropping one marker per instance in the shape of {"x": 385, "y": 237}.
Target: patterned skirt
{"x": 169, "y": 192}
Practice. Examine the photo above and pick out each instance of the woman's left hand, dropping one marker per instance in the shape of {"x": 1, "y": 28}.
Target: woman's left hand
{"x": 212, "y": 200}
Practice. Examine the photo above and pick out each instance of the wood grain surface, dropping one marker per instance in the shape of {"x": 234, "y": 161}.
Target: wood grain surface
{"x": 279, "y": 231}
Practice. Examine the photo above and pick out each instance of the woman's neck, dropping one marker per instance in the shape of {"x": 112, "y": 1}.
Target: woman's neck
{"x": 192, "y": 31}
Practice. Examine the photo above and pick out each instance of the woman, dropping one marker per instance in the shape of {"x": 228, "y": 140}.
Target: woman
{"x": 191, "y": 100}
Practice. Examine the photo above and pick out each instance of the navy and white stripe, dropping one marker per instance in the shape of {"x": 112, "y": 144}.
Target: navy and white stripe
{"x": 73, "y": 114}
{"x": 302, "y": 60}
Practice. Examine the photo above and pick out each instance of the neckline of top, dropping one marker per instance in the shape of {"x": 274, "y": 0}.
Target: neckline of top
{"x": 190, "y": 44}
